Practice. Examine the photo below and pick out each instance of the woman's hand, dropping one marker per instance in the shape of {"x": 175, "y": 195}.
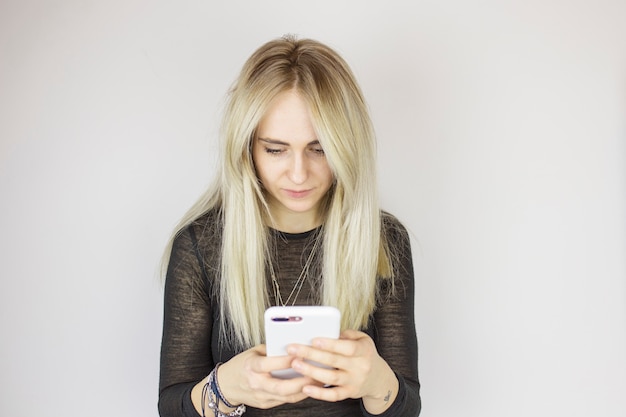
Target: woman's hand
{"x": 246, "y": 379}
{"x": 358, "y": 371}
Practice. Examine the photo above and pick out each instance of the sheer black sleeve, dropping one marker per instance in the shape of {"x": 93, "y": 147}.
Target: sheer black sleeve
{"x": 393, "y": 327}
{"x": 187, "y": 328}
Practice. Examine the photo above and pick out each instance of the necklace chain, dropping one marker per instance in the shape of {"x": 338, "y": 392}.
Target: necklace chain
{"x": 297, "y": 287}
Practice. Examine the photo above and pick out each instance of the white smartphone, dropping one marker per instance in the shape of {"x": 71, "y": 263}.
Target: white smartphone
{"x": 298, "y": 324}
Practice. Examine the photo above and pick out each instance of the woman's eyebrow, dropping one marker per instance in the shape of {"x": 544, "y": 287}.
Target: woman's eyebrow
{"x": 273, "y": 141}
{"x": 280, "y": 142}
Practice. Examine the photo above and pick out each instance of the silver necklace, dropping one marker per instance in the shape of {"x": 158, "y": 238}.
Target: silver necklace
{"x": 297, "y": 287}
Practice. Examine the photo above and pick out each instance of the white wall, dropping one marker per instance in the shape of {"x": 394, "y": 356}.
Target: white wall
{"x": 502, "y": 148}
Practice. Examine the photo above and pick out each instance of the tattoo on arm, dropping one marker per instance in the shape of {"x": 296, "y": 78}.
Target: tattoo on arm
{"x": 387, "y": 396}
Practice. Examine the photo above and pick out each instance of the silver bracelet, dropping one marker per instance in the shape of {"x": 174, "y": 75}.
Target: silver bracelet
{"x": 211, "y": 396}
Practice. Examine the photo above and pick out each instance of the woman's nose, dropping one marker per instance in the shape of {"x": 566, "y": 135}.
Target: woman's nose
{"x": 298, "y": 172}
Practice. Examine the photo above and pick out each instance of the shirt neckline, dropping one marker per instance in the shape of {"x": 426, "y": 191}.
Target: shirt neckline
{"x": 295, "y": 236}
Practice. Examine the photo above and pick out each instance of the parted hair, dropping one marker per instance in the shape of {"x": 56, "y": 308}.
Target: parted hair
{"x": 355, "y": 253}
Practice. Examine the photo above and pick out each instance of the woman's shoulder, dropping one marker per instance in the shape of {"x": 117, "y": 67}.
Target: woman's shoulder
{"x": 204, "y": 229}
{"x": 197, "y": 244}
{"x": 392, "y": 227}
{"x": 210, "y": 218}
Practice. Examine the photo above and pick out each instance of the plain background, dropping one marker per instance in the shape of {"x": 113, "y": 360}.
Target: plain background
{"x": 501, "y": 129}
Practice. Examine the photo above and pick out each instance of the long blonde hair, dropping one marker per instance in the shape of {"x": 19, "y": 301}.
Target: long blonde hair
{"x": 354, "y": 249}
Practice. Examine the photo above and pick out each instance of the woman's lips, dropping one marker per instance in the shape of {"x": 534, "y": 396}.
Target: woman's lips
{"x": 297, "y": 193}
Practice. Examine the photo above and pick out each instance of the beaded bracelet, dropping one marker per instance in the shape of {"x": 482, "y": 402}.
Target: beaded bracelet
{"x": 212, "y": 396}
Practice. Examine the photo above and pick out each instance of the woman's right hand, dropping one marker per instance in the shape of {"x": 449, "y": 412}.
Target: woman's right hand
{"x": 246, "y": 379}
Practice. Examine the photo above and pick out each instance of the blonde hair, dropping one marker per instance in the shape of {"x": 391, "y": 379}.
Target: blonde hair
{"x": 354, "y": 250}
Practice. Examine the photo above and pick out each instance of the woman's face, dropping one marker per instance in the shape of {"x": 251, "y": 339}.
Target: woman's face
{"x": 291, "y": 164}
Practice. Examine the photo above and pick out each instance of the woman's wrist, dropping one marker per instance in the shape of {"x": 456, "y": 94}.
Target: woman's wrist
{"x": 208, "y": 398}
{"x": 226, "y": 395}
{"x": 383, "y": 393}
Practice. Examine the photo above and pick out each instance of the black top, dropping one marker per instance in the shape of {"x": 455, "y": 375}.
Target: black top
{"x": 191, "y": 346}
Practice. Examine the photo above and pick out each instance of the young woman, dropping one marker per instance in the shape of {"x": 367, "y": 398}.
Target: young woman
{"x": 292, "y": 219}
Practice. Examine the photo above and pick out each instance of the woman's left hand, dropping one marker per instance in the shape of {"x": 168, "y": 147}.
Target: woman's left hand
{"x": 358, "y": 371}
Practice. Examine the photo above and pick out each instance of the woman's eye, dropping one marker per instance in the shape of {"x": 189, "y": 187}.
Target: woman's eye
{"x": 318, "y": 151}
{"x": 273, "y": 151}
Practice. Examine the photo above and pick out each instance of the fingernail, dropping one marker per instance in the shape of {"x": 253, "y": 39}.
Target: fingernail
{"x": 292, "y": 350}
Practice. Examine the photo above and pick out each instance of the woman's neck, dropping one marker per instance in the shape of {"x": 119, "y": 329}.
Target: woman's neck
{"x": 289, "y": 222}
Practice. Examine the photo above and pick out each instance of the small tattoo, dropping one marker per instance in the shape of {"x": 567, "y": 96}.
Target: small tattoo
{"x": 387, "y": 396}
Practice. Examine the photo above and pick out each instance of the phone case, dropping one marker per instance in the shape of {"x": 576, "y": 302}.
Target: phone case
{"x": 298, "y": 324}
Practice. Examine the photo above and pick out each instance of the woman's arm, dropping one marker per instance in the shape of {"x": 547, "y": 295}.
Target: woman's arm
{"x": 393, "y": 328}
{"x": 186, "y": 357}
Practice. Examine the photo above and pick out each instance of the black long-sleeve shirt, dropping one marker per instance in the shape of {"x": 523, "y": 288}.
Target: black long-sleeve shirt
{"x": 190, "y": 347}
